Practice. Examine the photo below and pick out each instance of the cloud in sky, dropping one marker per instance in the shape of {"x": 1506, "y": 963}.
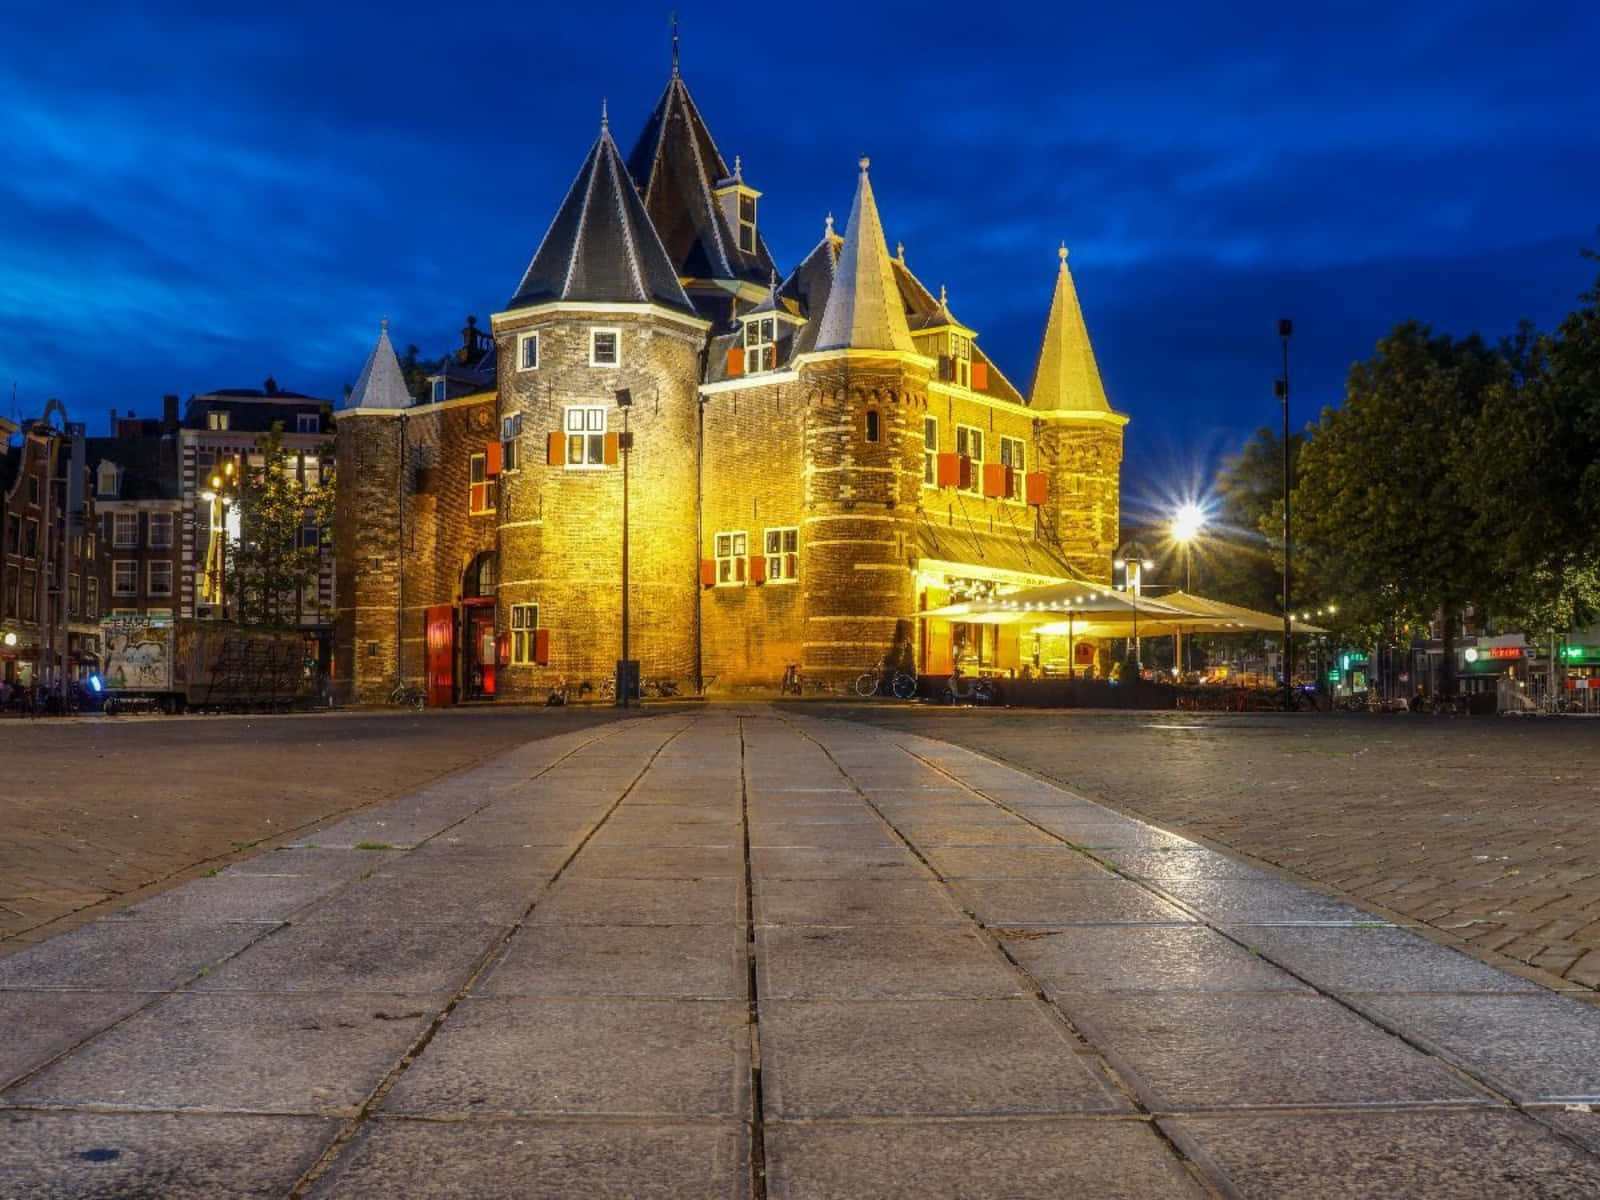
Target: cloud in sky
{"x": 198, "y": 197}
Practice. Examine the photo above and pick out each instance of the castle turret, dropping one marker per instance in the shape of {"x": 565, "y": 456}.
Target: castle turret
{"x": 599, "y": 341}
{"x": 866, "y": 391}
{"x": 368, "y": 529}
{"x": 1079, "y": 437}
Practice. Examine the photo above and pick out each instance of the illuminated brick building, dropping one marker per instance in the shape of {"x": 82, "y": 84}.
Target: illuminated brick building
{"x": 815, "y": 456}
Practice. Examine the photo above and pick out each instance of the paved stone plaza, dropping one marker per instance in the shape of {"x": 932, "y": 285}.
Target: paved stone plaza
{"x": 754, "y": 952}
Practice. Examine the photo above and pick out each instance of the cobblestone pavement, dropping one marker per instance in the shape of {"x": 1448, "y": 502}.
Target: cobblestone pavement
{"x": 751, "y": 953}
{"x": 94, "y": 809}
{"x": 1486, "y": 830}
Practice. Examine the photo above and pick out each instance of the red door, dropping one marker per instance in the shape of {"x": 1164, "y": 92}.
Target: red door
{"x": 441, "y": 642}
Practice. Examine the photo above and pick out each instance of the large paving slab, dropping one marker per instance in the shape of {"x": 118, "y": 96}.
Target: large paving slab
{"x": 872, "y": 963}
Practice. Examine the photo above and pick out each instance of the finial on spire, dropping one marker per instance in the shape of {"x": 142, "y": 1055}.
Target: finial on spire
{"x": 385, "y": 324}
{"x": 605, "y": 118}
{"x": 738, "y": 167}
{"x": 944, "y": 298}
{"x": 865, "y": 163}
{"x": 774, "y": 278}
{"x": 674, "y": 43}
{"x": 900, "y": 252}
{"x": 1062, "y": 253}
{"x": 827, "y": 225}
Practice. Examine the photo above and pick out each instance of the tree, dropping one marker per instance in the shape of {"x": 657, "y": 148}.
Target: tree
{"x": 1384, "y": 504}
{"x": 1536, "y": 486}
{"x": 1245, "y": 554}
{"x": 285, "y": 521}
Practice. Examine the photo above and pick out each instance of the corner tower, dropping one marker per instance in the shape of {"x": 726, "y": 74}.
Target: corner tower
{"x": 865, "y": 388}
{"x": 599, "y": 312}
{"x": 1079, "y": 438}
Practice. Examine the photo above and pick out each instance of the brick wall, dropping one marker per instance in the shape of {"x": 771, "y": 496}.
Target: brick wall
{"x": 561, "y": 529}
{"x": 1084, "y": 460}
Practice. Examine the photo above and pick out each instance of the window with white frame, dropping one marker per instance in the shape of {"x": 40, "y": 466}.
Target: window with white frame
{"x": 783, "y": 555}
{"x": 605, "y": 347}
{"x": 307, "y": 423}
{"x": 969, "y": 444}
{"x": 585, "y": 426}
{"x": 217, "y": 419}
{"x": 961, "y": 358}
{"x": 161, "y": 529}
{"x": 1014, "y": 454}
{"x": 482, "y": 492}
{"x": 107, "y": 483}
{"x": 731, "y": 549}
{"x": 125, "y": 529}
{"x": 160, "y": 579}
{"x": 124, "y": 577}
{"x": 747, "y": 223}
{"x": 528, "y": 352}
{"x": 511, "y": 442}
{"x": 930, "y": 451}
{"x": 760, "y": 350}
{"x": 524, "y": 624}
{"x": 438, "y": 391}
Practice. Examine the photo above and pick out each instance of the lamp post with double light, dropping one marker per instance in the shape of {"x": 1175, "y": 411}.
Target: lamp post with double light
{"x": 1133, "y": 562}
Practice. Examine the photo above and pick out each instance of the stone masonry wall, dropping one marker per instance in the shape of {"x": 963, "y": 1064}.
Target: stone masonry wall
{"x": 561, "y": 526}
{"x": 858, "y": 536}
{"x": 1084, "y": 460}
{"x": 753, "y": 481}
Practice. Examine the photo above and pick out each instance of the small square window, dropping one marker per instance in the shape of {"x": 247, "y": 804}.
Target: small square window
{"x": 604, "y": 347}
{"x": 528, "y": 352}
{"x": 307, "y": 423}
{"x": 217, "y": 419}
{"x": 731, "y": 549}
{"x": 524, "y": 627}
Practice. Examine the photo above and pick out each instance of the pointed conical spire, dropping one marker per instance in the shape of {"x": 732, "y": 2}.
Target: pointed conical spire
{"x": 380, "y": 385}
{"x": 1067, "y": 379}
{"x": 601, "y": 245}
{"x": 677, "y": 168}
{"x": 864, "y": 310}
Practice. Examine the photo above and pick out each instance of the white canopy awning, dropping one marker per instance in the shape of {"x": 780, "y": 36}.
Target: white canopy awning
{"x": 1089, "y": 610}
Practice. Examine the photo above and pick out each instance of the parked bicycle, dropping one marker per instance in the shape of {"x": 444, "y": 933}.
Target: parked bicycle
{"x": 791, "y": 683}
{"x": 408, "y": 696}
{"x": 659, "y": 689}
{"x": 878, "y": 681}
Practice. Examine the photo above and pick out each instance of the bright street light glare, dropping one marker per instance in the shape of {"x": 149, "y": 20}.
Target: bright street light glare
{"x": 1188, "y": 522}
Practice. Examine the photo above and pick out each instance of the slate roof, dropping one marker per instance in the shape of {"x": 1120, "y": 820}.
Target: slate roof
{"x": 864, "y": 310}
{"x": 602, "y": 246}
{"x": 380, "y": 384}
{"x": 149, "y": 466}
{"x": 1067, "y": 378}
{"x": 677, "y": 167}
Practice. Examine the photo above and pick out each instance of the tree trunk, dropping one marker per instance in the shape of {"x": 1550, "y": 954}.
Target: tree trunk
{"x": 1447, "y": 672}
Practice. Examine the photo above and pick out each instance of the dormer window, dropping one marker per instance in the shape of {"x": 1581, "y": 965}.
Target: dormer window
{"x": 438, "y": 390}
{"x": 961, "y": 359}
{"x": 747, "y": 222}
{"x": 307, "y": 423}
{"x": 738, "y": 202}
{"x": 217, "y": 419}
{"x": 760, "y": 348}
{"x": 106, "y": 485}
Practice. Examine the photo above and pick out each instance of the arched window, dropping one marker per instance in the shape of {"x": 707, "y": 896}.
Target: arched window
{"x": 481, "y": 576}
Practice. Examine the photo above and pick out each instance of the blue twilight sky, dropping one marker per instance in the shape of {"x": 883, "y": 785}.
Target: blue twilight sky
{"x": 194, "y": 196}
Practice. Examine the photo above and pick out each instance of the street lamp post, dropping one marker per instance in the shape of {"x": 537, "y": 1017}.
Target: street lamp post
{"x": 1285, "y": 329}
{"x": 1186, "y": 526}
{"x": 625, "y": 675}
{"x": 1133, "y": 561}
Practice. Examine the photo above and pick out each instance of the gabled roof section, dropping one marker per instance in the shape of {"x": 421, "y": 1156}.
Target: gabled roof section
{"x": 864, "y": 309}
{"x": 1067, "y": 379}
{"x": 677, "y": 168}
{"x": 601, "y": 247}
{"x": 381, "y": 385}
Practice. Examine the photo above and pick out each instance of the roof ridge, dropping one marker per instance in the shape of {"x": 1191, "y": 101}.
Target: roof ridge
{"x": 627, "y": 226}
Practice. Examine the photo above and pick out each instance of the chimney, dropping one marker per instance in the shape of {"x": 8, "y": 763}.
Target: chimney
{"x": 270, "y": 386}
{"x": 169, "y": 413}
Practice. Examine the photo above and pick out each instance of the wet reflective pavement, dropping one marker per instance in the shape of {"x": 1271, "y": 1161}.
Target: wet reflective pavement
{"x": 745, "y": 953}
